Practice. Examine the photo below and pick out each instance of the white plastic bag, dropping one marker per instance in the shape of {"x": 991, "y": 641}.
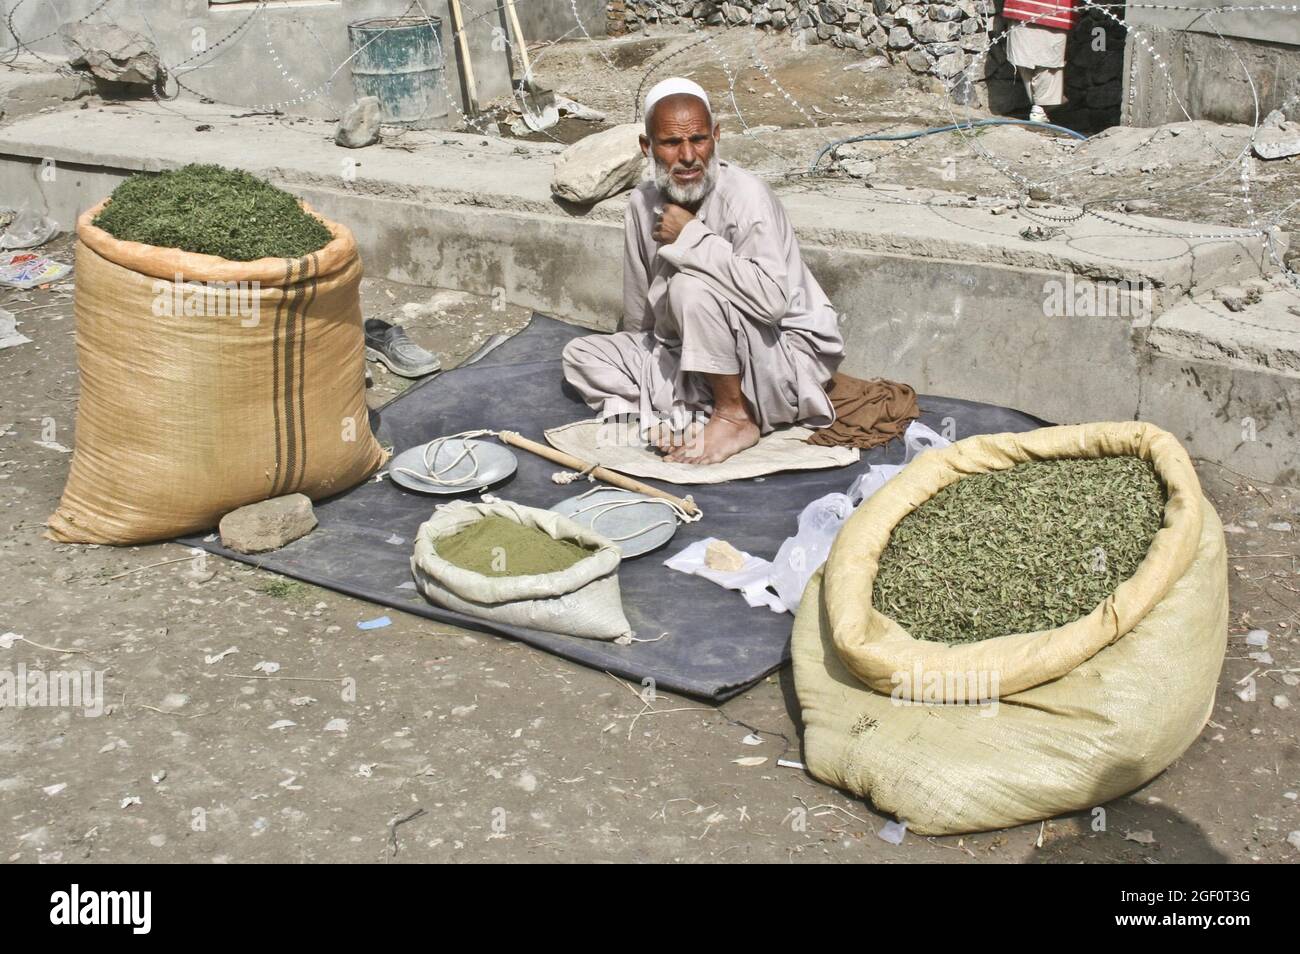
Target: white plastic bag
{"x": 803, "y": 554}
{"x": 28, "y": 230}
{"x": 750, "y": 581}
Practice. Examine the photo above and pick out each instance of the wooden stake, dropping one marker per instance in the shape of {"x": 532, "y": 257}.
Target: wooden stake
{"x": 458, "y": 24}
{"x": 603, "y": 474}
{"x": 519, "y": 38}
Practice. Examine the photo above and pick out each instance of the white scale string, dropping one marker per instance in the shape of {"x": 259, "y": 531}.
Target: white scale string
{"x": 611, "y": 505}
{"x": 433, "y": 474}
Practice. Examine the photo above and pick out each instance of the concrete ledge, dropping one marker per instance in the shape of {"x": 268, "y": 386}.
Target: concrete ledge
{"x": 1264, "y": 337}
{"x": 942, "y": 294}
{"x": 28, "y": 86}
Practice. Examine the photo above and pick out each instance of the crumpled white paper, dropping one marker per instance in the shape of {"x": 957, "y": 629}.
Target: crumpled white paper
{"x": 751, "y": 579}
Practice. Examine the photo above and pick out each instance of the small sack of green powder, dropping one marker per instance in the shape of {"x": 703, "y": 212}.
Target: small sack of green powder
{"x": 499, "y": 546}
{"x": 521, "y": 566}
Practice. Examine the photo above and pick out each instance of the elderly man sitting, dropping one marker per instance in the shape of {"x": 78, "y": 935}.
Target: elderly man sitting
{"x": 726, "y": 334}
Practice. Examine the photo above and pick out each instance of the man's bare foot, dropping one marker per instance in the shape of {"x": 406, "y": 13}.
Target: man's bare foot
{"x": 667, "y": 440}
{"x": 720, "y": 438}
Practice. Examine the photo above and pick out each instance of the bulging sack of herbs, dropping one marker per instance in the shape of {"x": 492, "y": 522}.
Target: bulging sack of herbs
{"x": 1061, "y": 625}
{"x": 521, "y": 566}
{"x": 208, "y": 383}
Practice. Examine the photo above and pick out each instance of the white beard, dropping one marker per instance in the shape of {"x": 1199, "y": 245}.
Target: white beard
{"x": 687, "y": 195}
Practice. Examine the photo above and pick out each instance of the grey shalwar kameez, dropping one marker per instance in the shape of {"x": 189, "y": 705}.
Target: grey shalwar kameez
{"x": 731, "y": 295}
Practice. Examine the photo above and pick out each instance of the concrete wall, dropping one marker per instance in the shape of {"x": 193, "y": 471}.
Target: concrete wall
{"x": 554, "y": 19}
{"x": 1272, "y": 26}
{"x": 945, "y": 323}
{"x": 291, "y": 55}
{"x": 1202, "y": 76}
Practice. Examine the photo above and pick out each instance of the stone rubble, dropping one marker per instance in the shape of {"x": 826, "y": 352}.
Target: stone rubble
{"x": 359, "y": 125}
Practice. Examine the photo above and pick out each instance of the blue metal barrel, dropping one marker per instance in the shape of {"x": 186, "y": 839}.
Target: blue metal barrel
{"x": 400, "y": 61}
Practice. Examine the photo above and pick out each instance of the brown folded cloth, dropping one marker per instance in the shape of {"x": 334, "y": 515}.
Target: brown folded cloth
{"x": 867, "y": 413}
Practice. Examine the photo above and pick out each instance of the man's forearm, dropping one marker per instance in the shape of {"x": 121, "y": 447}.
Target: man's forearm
{"x": 746, "y": 282}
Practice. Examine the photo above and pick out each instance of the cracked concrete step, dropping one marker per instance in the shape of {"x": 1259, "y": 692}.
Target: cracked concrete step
{"x": 1264, "y": 336}
{"x": 471, "y": 172}
{"x": 1228, "y": 383}
{"x": 28, "y": 85}
{"x": 942, "y": 293}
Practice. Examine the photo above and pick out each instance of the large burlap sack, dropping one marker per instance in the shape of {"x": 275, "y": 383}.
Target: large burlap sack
{"x": 198, "y": 397}
{"x": 582, "y": 600}
{"x": 1079, "y": 715}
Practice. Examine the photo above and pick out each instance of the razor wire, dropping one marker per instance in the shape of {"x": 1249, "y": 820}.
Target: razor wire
{"x": 1261, "y": 224}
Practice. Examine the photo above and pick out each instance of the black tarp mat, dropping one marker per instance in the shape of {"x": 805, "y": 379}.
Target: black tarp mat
{"x": 716, "y": 645}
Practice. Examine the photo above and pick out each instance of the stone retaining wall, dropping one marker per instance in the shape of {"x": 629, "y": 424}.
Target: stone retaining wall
{"x": 938, "y": 39}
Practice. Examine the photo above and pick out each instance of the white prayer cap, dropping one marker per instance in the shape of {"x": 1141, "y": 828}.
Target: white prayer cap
{"x": 671, "y": 87}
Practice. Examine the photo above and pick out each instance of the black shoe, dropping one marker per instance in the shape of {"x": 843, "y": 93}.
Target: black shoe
{"x": 390, "y": 344}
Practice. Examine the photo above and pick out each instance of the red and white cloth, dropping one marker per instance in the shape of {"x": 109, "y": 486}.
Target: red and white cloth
{"x": 1061, "y": 14}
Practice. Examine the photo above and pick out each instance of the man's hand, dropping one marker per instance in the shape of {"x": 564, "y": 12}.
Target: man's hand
{"x": 672, "y": 219}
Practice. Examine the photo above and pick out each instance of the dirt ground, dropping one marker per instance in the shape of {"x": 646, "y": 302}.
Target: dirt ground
{"x": 463, "y": 746}
{"x": 779, "y": 107}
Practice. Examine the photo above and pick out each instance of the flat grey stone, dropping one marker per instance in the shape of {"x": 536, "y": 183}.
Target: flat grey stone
{"x": 267, "y": 525}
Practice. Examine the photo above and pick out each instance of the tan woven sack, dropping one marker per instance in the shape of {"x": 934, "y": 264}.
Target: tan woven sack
{"x": 1083, "y": 713}
{"x": 198, "y": 398}
{"x": 582, "y": 600}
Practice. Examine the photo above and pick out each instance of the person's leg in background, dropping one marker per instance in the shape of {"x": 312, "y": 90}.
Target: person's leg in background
{"x": 1038, "y": 54}
{"x": 1045, "y": 86}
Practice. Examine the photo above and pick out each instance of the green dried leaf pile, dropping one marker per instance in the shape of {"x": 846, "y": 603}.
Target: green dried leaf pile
{"x": 213, "y": 211}
{"x": 1019, "y": 550}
